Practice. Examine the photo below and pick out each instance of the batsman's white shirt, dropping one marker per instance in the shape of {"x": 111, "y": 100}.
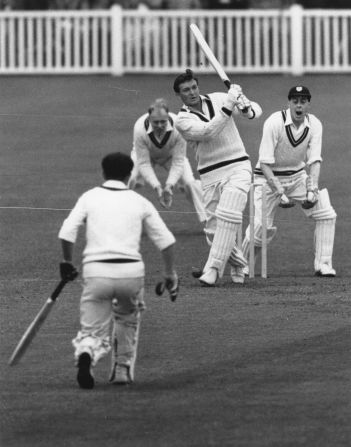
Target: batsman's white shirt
{"x": 287, "y": 148}
{"x": 150, "y": 151}
{"x": 214, "y": 135}
{"x": 115, "y": 218}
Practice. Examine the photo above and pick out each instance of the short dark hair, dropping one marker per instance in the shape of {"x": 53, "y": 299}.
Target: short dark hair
{"x": 187, "y": 76}
{"x": 117, "y": 166}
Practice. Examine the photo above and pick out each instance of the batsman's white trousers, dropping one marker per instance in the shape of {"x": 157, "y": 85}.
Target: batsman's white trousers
{"x": 322, "y": 213}
{"x": 104, "y": 299}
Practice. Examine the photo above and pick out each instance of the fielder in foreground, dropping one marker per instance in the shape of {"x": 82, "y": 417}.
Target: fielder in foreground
{"x": 207, "y": 123}
{"x": 289, "y": 161}
{"x": 113, "y": 269}
{"x": 157, "y": 142}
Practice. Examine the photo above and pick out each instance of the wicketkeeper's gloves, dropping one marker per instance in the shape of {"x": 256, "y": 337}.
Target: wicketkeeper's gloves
{"x": 68, "y": 272}
{"x": 311, "y": 200}
{"x": 312, "y": 194}
{"x": 171, "y": 283}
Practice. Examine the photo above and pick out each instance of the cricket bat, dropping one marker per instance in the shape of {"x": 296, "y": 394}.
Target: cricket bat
{"x": 35, "y": 325}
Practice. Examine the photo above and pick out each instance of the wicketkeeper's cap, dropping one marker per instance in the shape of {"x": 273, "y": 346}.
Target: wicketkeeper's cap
{"x": 299, "y": 90}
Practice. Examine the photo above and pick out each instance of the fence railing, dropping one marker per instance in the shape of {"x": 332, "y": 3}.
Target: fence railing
{"x": 121, "y": 41}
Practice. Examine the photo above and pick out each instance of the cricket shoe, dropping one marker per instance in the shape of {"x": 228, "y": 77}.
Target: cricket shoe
{"x": 196, "y": 272}
{"x": 209, "y": 278}
{"x": 120, "y": 375}
{"x": 84, "y": 377}
{"x": 237, "y": 274}
{"x": 326, "y": 271}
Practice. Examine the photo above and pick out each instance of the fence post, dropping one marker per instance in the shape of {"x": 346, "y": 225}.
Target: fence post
{"x": 116, "y": 41}
{"x": 296, "y": 38}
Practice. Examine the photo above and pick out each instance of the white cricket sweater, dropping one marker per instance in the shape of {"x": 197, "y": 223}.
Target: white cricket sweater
{"x": 286, "y": 148}
{"x": 213, "y": 134}
{"x": 150, "y": 151}
{"x": 115, "y": 219}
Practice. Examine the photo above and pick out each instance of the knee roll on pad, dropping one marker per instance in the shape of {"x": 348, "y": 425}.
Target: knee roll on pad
{"x": 229, "y": 215}
{"x": 323, "y": 209}
{"x": 234, "y": 199}
{"x": 326, "y": 214}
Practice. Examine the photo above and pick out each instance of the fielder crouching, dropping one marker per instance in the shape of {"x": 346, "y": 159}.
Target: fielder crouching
{"x": 113, "y": 269}
{"x": 289, "y": 161}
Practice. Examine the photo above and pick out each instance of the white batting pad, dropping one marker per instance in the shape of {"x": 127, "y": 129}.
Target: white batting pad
{"x": 324, "y": 242}
{"x": 229, "y": 219}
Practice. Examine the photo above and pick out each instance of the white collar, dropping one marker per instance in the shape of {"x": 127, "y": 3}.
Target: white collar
{"x": 115, "y": 184}
{"x": 289, "y": 120}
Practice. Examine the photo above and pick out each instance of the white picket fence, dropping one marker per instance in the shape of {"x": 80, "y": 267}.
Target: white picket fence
{"x": 118, "y": 41}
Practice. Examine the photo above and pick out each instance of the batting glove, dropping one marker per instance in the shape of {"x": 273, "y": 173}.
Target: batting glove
{"x": 244, "y": 104}
{"x": 167, "y": 196}
{"x": 233, "y": 96}
{"x": 171, "y": 283}
{"x": 67, "y": 271}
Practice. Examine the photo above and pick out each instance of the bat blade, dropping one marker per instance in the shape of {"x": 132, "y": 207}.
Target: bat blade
{"x": 35, "y": 325}
{"x": 31, "y": 331}
{"x": 209, "y": 54}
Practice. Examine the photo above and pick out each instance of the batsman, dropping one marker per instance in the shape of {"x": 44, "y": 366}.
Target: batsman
{"x": 289, "y": 162}
{"x": 207, "y": 123}
{"x": 113, "y": 269}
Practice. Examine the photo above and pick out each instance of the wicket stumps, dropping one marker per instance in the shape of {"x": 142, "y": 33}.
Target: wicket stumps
{"x": 252, "y": 231}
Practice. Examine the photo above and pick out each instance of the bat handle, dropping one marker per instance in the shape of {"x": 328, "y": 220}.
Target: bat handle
{"x": 58, "y": 289}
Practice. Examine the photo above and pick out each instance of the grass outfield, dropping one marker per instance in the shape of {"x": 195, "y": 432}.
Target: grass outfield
{"x": 266, "y": 364}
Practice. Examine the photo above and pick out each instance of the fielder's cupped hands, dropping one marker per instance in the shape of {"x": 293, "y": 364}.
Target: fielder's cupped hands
{"x": 67, "y": 271}
{"x": 159, "y": 193}
{"x": 165, "y": 196}
{"x": 168, "y": 196}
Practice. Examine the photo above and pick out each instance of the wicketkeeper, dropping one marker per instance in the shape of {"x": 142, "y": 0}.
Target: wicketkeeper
{"x": 156, "y": 142}
{"x": 289, "y": 162}
{"x": 113, "y": 269}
